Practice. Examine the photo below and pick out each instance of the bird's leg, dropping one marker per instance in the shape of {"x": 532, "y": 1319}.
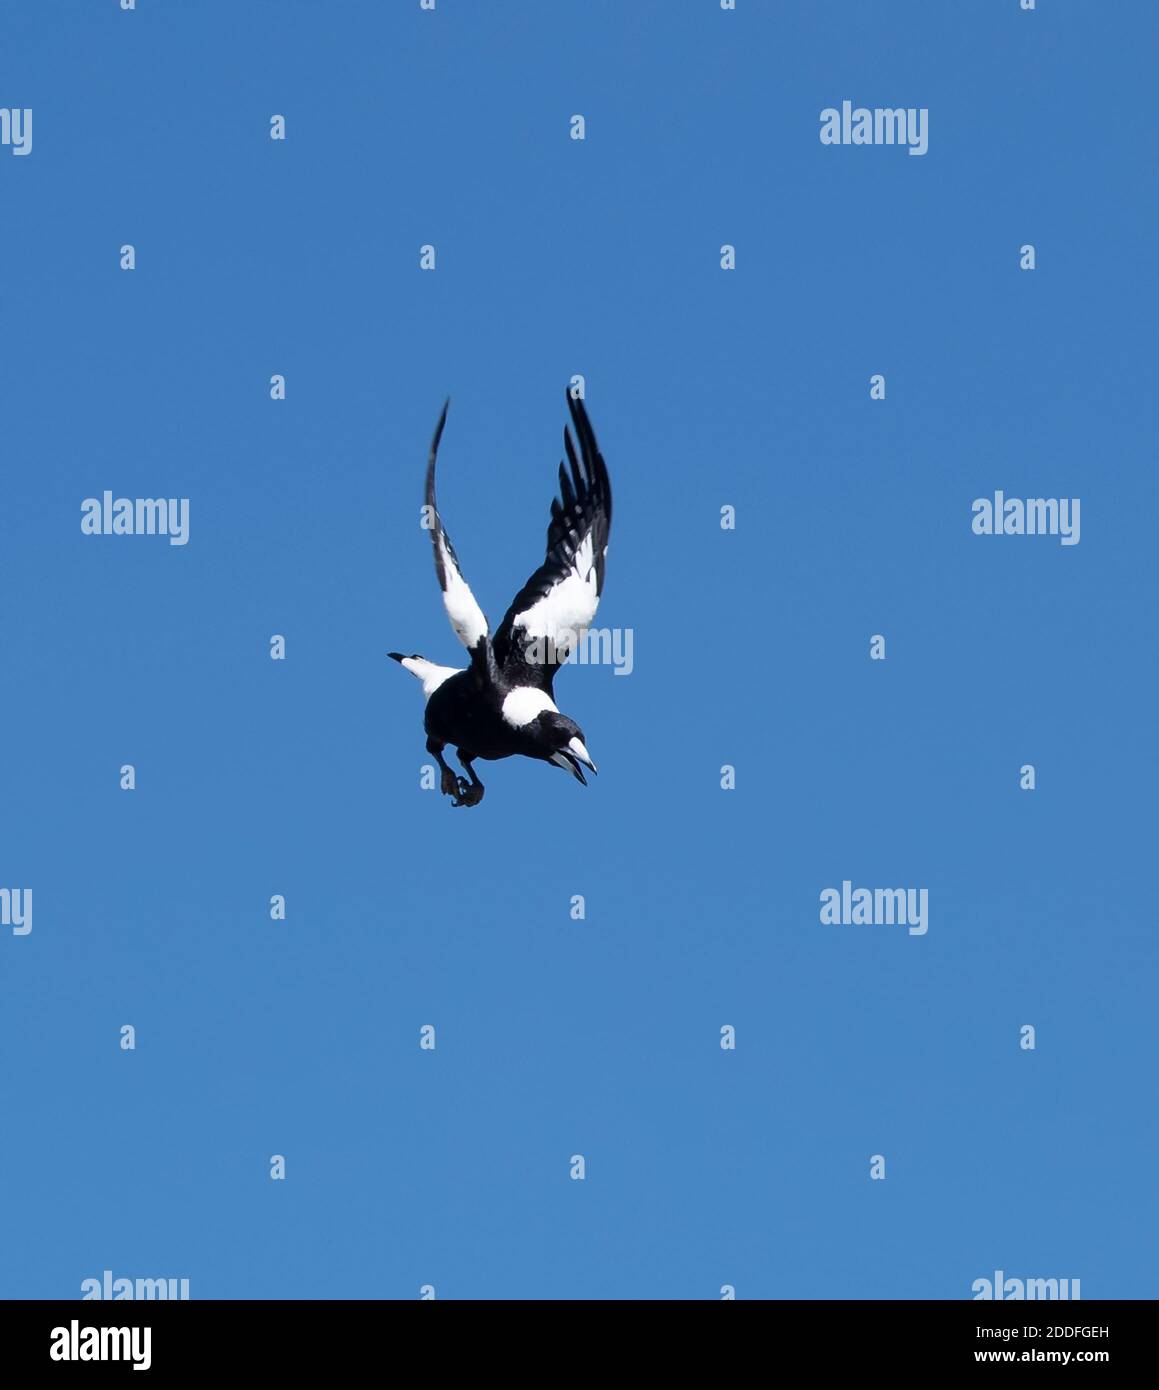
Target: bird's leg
{"x": 470, "y": 793}
{"x": 450, "y": 782}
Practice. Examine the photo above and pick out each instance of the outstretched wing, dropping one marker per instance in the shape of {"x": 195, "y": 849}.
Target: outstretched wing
{"x": 550, "y": 614}
{"x": 465, "y": 614}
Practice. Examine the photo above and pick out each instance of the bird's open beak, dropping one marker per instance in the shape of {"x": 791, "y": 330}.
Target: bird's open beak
{"x": 581, "y": 753}
{"x": 569, "y": 759}
{"x": 565, "y": 760}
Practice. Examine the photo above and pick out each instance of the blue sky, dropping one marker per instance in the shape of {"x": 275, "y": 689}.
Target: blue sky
{"x": 748, "y": 388}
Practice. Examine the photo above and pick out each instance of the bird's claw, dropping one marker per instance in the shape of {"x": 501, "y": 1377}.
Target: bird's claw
{"x": 469, "y": 793}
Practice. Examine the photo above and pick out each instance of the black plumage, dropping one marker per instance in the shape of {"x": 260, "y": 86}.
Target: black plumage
{"x": 503, "y": 705}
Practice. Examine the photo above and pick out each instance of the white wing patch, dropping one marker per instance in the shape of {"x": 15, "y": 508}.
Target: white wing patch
{"x": 465, "y": 614}
{"x": 565, "y": 612}
{"x": 523, "y": 703}
{"x": 432, "y": 676}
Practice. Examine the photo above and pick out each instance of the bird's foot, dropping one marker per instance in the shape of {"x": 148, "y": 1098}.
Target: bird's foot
{"x": 450, "y": 783}
{"x": 470, "y": 793}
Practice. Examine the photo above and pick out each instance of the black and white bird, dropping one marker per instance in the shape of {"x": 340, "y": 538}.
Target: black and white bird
{"x": 502, "y": 703}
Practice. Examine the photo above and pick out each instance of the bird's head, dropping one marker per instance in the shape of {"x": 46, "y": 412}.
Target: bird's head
{"x": 563, "y": 741}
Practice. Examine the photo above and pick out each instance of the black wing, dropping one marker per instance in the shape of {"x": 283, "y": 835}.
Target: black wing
{"x": 550, "y": 614}
{"x": 466, "y": 616}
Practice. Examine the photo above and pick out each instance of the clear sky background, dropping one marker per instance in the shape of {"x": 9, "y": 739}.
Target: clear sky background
{"x": 748, "y": 388}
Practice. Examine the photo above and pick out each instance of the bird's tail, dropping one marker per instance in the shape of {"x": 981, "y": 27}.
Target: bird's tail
{"x": 431, "y": 674}
{"x": 414, "y": 664}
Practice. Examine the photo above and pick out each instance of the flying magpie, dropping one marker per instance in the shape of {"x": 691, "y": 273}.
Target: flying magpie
{"x": 501, "y": 704}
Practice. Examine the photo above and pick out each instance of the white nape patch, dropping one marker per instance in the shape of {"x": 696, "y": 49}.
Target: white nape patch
{"x": 432, "y": 676}
{"x": 569, "y": 606}
{"x": 465, "y": 614}
{"x": 524, "y": 703}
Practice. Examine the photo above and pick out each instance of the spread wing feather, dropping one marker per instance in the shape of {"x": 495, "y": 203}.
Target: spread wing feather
{"x": 553, "y": 610}
{"x": 466, "y": 616}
